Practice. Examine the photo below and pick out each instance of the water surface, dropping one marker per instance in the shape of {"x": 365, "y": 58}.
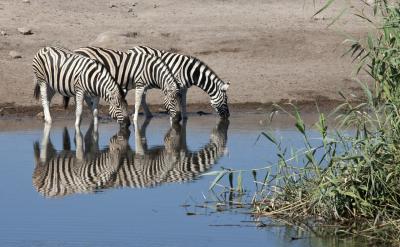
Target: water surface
{"x": 121, "y": 189}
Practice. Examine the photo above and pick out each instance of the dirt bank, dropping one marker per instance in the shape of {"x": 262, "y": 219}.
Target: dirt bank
{"x": 271, "y": 51}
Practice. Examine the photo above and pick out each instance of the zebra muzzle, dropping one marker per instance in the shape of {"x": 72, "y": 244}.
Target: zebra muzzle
{"x": 125, "y": 123}
{"x": 177, "y": 118}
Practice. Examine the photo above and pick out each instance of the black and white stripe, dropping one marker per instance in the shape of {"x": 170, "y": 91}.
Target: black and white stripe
{"x": 190, "y": 71}
{"x": 172, "y": 162}
{"x": 142, "y": 72}
{"x": 82, "y": 171}
{"x": 88, "y": 170}
{"x": 58, "y": 70}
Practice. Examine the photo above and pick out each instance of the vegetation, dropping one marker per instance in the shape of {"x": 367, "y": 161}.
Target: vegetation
{"x": 351, "y": 178}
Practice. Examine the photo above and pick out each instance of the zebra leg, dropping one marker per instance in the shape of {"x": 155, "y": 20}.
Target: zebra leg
{"x": 46, "y": 95}
{"x": 91, "y": 139}
{"x": 44, "y": 151}
{"x": 79, "y": 107}
{"x": 183, "y": 103}
{"x": 95, "y": 104}
{"x": 88, "y": 101}
{"x": 146, "y": 110}
{"x": 138, "y": 100}
{"x": 183, "y": 134}
{"x": 139, "y": 146}
{"x": 79, "y": 144}
{"x": 143, "y": 132}
{"x": 66, "y": 140}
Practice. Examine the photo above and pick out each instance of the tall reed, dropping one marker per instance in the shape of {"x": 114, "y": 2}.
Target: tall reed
{"x": 351, "y": 179}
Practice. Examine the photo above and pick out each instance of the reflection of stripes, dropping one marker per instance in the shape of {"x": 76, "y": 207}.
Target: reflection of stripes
{"x": 164, "y": 165}
{"x": 191, "y": 71}
{"x": 64, "y": 174}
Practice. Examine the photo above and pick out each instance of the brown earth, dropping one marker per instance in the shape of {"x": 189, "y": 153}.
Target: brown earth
{"x": 270, "y": 50}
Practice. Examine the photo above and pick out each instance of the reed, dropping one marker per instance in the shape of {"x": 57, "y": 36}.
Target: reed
{"x": 351, "y": 178}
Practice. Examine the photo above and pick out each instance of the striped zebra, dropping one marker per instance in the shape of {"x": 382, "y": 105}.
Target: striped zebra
{"x": 190, "y": 71}
{"x": 58, "y": 174}
{"x": 88, "y": 170}
{"x": 60, "y": 70}
{"x": 142, "y": 72}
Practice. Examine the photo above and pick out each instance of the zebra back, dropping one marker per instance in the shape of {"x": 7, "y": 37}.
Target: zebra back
{"x": 138, "y": 70}
{"x": 190, "y": 71}
{"x": 129, "y": 68}
{"x": 66, "y": 72}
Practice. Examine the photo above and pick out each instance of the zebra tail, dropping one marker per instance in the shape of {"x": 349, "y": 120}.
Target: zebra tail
{"x": 65, "y": 101}
{"x": 36, "y": 91}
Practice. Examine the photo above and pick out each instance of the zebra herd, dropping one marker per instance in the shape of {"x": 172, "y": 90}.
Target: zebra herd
{"x": 89, "y": 169}
{"x": 91, "y": 73}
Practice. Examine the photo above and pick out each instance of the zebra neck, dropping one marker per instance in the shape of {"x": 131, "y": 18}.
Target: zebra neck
{"x": 108, "y": 94}
{"x": 203, "y": 77}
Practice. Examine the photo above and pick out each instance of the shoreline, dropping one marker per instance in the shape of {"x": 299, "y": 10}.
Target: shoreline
{"x": 13, "y": 110}
{"x": 246, "y": 115}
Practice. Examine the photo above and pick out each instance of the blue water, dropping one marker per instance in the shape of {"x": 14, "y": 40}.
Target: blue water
{"x": 128, "y": 216}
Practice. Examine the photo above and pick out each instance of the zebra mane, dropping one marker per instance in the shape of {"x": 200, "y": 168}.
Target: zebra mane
{"x": 162, "y": 61}
{"x": 195, "y": 59}
{"x": 120, "y": 90}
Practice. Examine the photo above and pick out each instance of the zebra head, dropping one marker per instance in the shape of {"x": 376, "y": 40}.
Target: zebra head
{"x": 220, "y": 101}
{"x": 119, "y": 108}
{"x": 172, "y": 103}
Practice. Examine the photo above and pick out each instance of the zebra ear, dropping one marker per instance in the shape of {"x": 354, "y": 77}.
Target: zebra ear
{"x": 225, "y": 86}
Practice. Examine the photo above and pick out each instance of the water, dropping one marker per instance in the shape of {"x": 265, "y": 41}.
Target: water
{"x": 135, "y": 203}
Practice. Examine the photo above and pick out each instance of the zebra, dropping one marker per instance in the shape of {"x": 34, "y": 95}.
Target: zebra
{"x": 191, "y": 71}
{"x": 142, "y": 72}
{"x": 58, "y": 174}
{"x": 59, "y": 70}
{"x": 88, "y": 170}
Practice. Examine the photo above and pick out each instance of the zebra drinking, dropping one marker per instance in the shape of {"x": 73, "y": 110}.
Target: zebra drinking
{"x": 142, "y": 72}
{"x": 60, "y": 70}
{"x": 191, "y": 71}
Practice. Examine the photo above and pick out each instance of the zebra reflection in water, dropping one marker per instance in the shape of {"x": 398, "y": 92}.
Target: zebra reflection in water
{"x": 89, "y": 169}
{"x": 85, "y": 170}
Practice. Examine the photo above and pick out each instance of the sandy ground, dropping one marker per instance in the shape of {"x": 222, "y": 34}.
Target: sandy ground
{"x": 270, "y": 50}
